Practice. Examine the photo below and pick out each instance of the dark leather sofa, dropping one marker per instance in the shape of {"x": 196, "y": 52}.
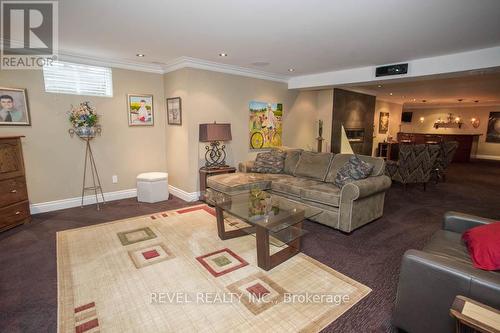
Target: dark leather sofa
{"x": 430, "y": 279}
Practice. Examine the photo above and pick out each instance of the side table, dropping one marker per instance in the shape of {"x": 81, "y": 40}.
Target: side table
{"x": 473, "y": 316}
{"x": 207, "y": 172}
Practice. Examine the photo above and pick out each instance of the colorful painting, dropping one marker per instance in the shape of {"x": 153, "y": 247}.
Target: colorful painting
{"x": 383, "y": 122}
{"x": 14, "y": 107}
{"x": 265, "y": 125}
{"x": 140, "y": 110}
{"x": 493, "y": 134}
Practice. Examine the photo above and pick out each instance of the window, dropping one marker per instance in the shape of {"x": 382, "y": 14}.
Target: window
{"x": 69, "y": 78}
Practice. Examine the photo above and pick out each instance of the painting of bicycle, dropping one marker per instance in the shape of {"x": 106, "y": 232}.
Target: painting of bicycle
{"x": 265, "y": 125}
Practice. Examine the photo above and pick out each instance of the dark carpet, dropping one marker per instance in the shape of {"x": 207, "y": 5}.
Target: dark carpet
{"x": 370, "y": 255}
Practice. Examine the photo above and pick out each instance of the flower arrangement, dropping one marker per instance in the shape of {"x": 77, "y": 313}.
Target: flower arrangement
{"x": 83, "y": 115}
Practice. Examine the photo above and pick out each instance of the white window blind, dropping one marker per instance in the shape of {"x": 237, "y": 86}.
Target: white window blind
{"x": 69, "y": 78}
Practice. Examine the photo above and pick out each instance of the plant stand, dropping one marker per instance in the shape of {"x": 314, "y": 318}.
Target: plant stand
{"x": 87, "y": 134}
{"x": 95, "y": 175}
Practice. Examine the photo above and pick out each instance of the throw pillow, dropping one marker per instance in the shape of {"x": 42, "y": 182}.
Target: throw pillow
{"x": 354, "y": 169}
{"x": 483, "y": 243}
{"x": 269, "y": 162}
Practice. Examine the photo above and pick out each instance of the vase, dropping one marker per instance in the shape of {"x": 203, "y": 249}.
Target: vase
{"x": 85, "y": 132}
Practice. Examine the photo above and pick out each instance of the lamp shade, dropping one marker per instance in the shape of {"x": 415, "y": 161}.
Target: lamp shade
{"x": 215, "y": 132}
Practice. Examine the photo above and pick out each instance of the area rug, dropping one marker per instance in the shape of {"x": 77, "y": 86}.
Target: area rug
{"x": 170, "y": 272}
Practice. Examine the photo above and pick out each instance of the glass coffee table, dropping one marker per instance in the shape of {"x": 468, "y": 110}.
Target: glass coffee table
{"x": 272, "y": 219}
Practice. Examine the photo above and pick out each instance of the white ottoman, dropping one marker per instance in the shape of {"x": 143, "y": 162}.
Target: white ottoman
{"x": 152, "y": 187}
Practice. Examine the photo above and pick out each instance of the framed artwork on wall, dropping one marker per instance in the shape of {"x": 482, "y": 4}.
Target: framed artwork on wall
{"x": 140, "y": 110}
{"x": 174, "y": 111}
{"x": 265, "y": 125}
{"x": 493, "y": 133}
{"x": 14, "y": 109}
{"x": 383, "y": 122}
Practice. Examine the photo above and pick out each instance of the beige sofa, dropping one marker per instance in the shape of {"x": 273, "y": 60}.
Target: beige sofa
{"x": 308, "y": 179}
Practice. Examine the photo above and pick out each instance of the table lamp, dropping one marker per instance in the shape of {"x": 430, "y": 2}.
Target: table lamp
{"x": 215, "y": 155}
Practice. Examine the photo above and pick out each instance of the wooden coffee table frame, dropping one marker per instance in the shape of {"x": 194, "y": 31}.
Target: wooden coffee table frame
{"x": 265, "y": 259}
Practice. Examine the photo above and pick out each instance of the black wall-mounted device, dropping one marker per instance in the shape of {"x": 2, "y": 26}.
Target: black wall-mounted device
{"x": 397, "y": 69}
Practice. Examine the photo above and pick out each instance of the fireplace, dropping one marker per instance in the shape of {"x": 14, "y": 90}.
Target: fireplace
{"x": 355, "y": 134}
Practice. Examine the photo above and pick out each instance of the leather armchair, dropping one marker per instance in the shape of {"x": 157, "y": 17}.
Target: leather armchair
{"x": 430, "y": 279}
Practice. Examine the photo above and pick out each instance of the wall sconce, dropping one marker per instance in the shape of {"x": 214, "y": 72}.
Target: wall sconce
{"x": 475, "y": 122}
{"x": 422, "y": 120}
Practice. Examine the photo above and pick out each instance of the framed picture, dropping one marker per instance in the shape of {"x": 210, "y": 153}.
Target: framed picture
{"x": 383, "y": 122}
{"x": 14, "y": 109}
{"x": 140, "y": 110}
{"x": 174, "y": 111}
{"x": 265, "y": 124}
{"x": 493, "y": 134}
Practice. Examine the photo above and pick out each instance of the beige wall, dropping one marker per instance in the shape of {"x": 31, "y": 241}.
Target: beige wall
{"x": 394, "y": 121}
{"x": 211, "y": 96}
{"x": 325, "y": 113}
{"x": 484, "y": 149}
{"x": 54, "y": 160}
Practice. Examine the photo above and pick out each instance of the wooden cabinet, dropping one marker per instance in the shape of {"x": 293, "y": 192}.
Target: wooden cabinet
{"x": 14, "y": 204}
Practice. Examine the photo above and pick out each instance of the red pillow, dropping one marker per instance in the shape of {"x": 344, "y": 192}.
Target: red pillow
{"x": 483, "y": 243}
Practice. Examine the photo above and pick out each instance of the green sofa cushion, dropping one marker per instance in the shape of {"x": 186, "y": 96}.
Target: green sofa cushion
{"x": 313, "y": 165}
{"x": 325, "y": 193}
{"x": 291, "y": 160}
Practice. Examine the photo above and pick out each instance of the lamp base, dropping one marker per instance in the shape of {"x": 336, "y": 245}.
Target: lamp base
{"x": 215, "y": 155}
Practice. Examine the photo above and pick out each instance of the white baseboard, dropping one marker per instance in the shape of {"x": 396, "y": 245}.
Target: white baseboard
{"x": 49, "y": 206}
{"x": 186, "y": 196}
{"x": 488, "y": 157}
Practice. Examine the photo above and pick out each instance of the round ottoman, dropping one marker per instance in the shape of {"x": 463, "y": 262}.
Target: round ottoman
{"x": 152, "y": 187}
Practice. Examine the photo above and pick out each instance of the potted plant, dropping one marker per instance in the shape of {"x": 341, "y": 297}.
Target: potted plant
{"x": 84, "y": 118}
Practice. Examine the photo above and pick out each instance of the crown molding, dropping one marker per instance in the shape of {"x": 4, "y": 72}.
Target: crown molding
{"x": 188, "y": 62}
{"x": 451, "y": 105}
{"x": 176, "y": 64}
{"x": 115, "y": 63}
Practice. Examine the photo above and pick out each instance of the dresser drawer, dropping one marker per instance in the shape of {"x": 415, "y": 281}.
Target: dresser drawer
{"x": 12, "y": 191}
{"x": 11, "y": 159}
{"x": 14, "y": 214}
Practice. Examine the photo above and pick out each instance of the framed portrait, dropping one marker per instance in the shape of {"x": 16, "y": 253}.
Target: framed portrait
{"x": 493, "y": 132}
{"x": 140, "y": 110}
{"x": 14, "y": 109}
{"x": 383, "y": 122}
{"x": 174, "y": 111}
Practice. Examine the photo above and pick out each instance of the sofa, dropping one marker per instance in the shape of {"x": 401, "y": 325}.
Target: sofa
{"x": 430, "y": 279}
{"x": 308, "y": 178}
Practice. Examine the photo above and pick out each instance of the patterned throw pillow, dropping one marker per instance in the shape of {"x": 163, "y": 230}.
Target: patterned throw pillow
{"x": 354, "y": 169}
{"x": 269, "y": 162}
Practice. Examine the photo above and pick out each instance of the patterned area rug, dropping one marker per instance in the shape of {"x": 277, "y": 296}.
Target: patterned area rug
{"x": 170, "y": 272}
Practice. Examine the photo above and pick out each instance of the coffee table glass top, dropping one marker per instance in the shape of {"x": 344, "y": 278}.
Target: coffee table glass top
{"x": 260, "y": 208}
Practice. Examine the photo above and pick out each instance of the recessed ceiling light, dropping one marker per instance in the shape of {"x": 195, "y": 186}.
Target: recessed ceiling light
{"x": 414, "y": 99}
{"x": 380, "y": 86}
{"x": 222, "y": 54}
{"x": 391, "y": 94}
{"x": 291, "y": 69}
{"x": 140, "y": 55}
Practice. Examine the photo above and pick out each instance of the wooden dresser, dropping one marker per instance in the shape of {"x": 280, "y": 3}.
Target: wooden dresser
{"x": 14, "y": 204}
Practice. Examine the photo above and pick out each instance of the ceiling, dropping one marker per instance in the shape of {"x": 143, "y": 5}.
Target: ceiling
{"x": 482, "y": 86}
{"x": 274, "y": 35}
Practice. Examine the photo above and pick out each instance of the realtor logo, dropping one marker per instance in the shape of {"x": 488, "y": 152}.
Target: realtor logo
{"x": 29, "y": 34}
